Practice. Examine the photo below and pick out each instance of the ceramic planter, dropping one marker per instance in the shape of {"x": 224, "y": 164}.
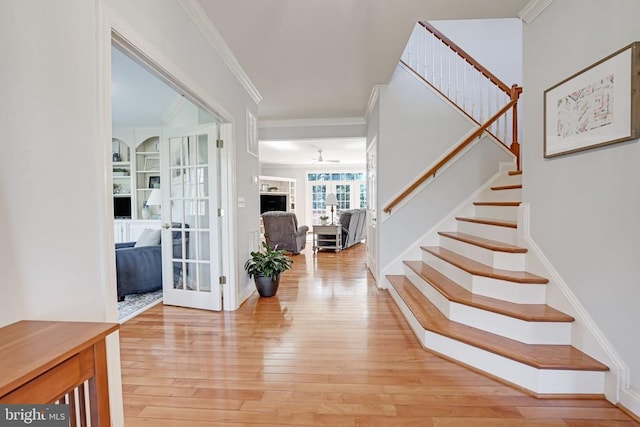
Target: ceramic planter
{"x": 267, "y": 286}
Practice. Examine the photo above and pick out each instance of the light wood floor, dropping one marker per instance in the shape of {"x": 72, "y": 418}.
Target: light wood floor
{"x": 328, "y": 349}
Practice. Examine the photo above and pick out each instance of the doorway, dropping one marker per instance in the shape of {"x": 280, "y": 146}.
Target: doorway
{"x": 174, "y": 201}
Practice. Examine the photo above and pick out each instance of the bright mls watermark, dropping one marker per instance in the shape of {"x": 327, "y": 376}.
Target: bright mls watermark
{"x": 34, "y": 415}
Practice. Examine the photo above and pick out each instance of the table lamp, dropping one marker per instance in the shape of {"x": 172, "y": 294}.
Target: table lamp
{"x": 332, "y": 201}
{"x": 155, "y": 198}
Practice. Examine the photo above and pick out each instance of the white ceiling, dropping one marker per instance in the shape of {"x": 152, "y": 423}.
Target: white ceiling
{"x": 348, "y": 151}
{"x": 309, "y": 59}
{"x": 321, "y": 58}
{"x": 138, "y": 98}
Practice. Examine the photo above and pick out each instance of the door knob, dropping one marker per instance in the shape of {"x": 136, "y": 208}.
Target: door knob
{"x": 166, "y": 226}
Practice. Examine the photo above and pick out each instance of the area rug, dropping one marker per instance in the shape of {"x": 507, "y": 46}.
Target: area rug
{"x": 136, "y": 304}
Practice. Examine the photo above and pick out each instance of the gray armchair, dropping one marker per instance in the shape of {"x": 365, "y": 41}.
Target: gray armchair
{"x": 281, "y": 230}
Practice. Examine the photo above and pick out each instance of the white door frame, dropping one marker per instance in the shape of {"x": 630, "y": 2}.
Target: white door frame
{"x": 111, "y": 27}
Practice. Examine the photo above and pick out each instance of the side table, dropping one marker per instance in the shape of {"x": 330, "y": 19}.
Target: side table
{"x": 327, "y": 237}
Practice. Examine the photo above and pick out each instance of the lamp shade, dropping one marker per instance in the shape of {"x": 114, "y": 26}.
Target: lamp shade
{"x": 155, "y": 198}
{"x": 332, "y": 200}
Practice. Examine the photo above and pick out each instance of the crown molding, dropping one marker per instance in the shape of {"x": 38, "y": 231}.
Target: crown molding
{"x": 206, "y": 27}
{"x": 532, "y": 9}
{"x": 292, "y": 123}
{"x": 373, "y": 99}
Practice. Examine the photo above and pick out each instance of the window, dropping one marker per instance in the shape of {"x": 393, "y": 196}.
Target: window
{"x": 350, "y": 189}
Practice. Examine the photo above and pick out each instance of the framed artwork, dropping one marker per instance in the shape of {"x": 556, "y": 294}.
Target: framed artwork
{"x": 154, "y": 182}
{"x": 596, "y": 106}
{"x": 252, "y": 134}
{"x": 151, "y": 163}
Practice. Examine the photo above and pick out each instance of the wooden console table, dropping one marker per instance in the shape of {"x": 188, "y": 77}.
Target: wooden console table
{"x": 48, "y": 362}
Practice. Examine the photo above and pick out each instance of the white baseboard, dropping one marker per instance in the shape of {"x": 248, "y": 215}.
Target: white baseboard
{"x": 630, "y": 399}
{"x": 591, "y": 339}
{"x": 245, "y": 293}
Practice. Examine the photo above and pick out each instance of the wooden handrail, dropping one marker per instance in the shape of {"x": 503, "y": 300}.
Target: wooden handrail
{"x": 450, "y": 156}
{"x": 468, "y": 58}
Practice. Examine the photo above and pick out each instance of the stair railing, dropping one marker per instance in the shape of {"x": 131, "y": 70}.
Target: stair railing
{"x": 469, "y": 86}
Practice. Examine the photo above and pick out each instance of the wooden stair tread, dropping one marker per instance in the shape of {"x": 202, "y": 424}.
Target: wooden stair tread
{"x": 539, "y": 356}
{"x": 506, "y": 204}
{"x": 479, "y": 269}
{"x": 456, "y": 293}
{"x": 489, "y": 221}
{"x": 512, "y": 173}
{"x": 492, "y": 245}
{"x": 507, "y": 187}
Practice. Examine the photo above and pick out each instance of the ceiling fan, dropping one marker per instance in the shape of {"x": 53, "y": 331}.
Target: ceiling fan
{"x": 320, "y": 159}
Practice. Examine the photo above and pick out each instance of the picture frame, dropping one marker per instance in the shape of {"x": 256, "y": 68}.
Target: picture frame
{"x": 252, "y": 134}
{"x": 154, "y": 182}
{"x": 152, "y": 164}
{"x": 597, "y": 106}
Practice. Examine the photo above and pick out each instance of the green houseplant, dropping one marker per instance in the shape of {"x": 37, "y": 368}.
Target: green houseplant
{"x": 323, "y": 219}
{"x": 265, "y": 267}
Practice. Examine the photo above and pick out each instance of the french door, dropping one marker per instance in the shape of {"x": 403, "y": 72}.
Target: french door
{"x": 190, "y": 222}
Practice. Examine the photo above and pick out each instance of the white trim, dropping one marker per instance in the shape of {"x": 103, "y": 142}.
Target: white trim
{"x": 532, "y": 9}
{"x": 228, "y": 226}
{"x": 293, "y": 123}
{"x": 630, "y": 399}
{"x": 172, "y": 74}
{"x": 204, "y": 24}
{"x": 618, "y": 369}
{"x": 373, "y": 99}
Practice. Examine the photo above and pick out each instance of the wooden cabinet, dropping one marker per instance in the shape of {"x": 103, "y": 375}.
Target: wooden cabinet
{"x": 130, "y": 230}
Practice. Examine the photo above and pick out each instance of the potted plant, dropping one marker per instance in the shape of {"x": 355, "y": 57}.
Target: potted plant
{"x": 265, "y": 267}
{"x": 323, "y": 219}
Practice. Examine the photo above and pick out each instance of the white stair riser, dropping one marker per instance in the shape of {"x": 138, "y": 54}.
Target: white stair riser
{"x": 509, "y": 327}
{"x": 492, "y": 232}
{"x": 536, "y": 380}
{"x": 541, "y": 381}
{"x": 490, "y": 287}
{"x": 436, "y": 298}
{"x": 509, "y": 213}
{"x": 520, "y": 330}
{"x": 502, "y": 260}
{"x": 506, "y": 179}
{"x": 512, "y": 195}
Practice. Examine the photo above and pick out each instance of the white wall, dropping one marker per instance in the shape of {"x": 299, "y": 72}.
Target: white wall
{"x": 51, "y": 201}
{"x": 584, "y": 206}
{"x": 416, "y": 129}
{"x": 54, "y": 195}
{"x": 495, "y": 43}
{"x": 167, "y": 27}
{"x": 303, "y": 206}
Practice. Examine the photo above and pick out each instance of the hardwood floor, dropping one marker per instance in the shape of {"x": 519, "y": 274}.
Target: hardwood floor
{"x": 329, "y": 349}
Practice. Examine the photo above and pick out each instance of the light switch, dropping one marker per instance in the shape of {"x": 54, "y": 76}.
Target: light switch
{"x": 241, "y": 202}
{"x": 254, "y": 179}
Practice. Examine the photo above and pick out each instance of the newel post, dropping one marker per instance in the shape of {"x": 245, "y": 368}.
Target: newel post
{"x": 515, "y": 145}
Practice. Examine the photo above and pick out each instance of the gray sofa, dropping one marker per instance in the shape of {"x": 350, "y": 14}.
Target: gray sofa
{"x": 139, "y": 269}
{"x": 281, "y": 230}
{"x": 353, "y": 226}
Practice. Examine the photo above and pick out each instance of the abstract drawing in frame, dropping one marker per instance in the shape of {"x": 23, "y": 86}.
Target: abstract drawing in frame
{"x": 596, "y": 106}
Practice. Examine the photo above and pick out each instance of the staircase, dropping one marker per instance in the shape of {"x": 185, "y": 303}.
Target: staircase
{"x": 471, "y": 300}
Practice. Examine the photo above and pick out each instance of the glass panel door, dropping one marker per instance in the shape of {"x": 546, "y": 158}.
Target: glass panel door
{"x": 190, "y": 239}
